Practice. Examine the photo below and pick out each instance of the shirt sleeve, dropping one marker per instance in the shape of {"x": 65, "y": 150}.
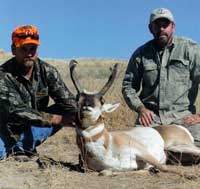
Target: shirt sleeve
{"x": 59, "y": 92}
{"x": 15, "y": 109}
{"x": 132, "y": 82}
{"x": 195, "y": 60}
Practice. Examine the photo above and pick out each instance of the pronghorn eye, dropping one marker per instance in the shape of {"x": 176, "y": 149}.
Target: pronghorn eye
{"x": 77, "y": 97}
{"x": 102, "y": 100}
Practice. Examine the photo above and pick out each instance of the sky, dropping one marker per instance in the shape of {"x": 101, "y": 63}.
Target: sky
{"x": 93, "y": 28}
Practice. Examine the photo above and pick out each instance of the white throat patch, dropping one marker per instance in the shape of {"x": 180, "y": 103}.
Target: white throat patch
{"x": 94, "y": 113}
{"x": 93, "y": 132}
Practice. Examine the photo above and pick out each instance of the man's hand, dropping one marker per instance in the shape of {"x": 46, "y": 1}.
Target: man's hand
{"x": 191, "y": 120}
{"x": 56, "y": 119}
{"x": 145, "y": 116}
{"x": 66, "y": 121}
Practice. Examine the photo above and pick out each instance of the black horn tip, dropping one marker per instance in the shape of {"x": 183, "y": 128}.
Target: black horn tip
{"x": 115, "y": 67}
{"x": 72, "y": 63}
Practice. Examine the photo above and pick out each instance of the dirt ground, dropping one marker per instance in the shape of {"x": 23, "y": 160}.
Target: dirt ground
{"x": 63, "y": 173}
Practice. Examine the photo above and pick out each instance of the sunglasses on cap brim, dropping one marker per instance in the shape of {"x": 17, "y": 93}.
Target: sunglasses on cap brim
{"x": 24, "y": 36}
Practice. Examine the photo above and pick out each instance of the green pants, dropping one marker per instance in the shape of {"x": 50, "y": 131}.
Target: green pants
{"x": 195, "y": 131}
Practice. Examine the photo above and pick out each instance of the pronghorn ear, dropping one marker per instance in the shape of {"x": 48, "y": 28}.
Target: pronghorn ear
{"x": 110, "y": 107}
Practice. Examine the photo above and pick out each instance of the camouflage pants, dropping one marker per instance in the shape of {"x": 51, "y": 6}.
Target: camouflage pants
{"x": 194, "y": 129}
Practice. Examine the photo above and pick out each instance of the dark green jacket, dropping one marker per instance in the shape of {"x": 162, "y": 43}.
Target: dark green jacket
{"x": 22, "y": 101}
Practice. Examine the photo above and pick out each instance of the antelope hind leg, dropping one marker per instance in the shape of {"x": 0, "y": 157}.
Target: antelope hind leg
{"x": 183, "y": 154}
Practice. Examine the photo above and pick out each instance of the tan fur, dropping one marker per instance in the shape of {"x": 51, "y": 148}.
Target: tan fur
{"x": 106, "y": 142}
{"x": 121, "y": 139}
{"x": 179, "y": 145}
{"x": 95, "y": 137}
{"x": 173, "y": 135}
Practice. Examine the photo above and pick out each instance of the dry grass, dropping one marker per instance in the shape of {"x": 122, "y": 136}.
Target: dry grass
{"x": 62, "y": 147}
{"x": 87, "y": 72}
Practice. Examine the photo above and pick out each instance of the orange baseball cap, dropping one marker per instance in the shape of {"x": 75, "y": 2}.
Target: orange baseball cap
{"x": 25, "y": 34}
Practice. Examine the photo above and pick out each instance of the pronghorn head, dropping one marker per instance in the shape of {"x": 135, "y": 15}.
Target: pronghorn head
{"x": 91, "y": 104}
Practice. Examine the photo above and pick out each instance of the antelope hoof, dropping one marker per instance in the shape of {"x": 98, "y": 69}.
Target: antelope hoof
{"x": 153, "y": 170}
{"x": 106, "y": 172}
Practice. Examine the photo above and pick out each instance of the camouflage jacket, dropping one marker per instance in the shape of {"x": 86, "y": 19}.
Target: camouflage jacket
{"x": 22, "y": 100}
{"x": 167, "y": 81}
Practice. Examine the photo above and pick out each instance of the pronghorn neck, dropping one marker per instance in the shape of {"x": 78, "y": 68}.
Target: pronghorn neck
{"x": 93, "y": 132}
{"x": 87, "y": 124}
{"x": 88, "y": 139}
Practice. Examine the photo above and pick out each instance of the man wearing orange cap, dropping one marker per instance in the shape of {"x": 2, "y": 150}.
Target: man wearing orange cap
{"x": 26, "y": 84}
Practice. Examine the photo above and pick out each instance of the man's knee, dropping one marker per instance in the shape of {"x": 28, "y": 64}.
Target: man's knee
{"x": 197, "y": 143}
{"x": 195, "y": 131}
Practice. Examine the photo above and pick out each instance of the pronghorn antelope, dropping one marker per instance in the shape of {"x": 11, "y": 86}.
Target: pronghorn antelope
{"x": 138, "y": 148}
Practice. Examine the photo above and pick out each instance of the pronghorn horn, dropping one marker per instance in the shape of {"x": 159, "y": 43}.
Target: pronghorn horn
{"x": 110, "y": 80}
{"x": 73, "y": 75}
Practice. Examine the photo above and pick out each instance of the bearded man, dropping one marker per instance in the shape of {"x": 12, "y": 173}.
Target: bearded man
{"x": 166, "y": 73}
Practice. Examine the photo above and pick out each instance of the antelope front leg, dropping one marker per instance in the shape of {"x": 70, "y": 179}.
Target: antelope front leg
{"x": 108, "y": 172}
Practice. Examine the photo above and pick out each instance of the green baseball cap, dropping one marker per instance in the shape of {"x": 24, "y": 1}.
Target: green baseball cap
{"x": 161, "y": 13}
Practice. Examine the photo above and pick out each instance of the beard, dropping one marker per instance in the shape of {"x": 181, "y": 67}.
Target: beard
{"x": 162, "y": 40}
{"x": 28, "y": 62}
{"x": 26, "y": 65}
